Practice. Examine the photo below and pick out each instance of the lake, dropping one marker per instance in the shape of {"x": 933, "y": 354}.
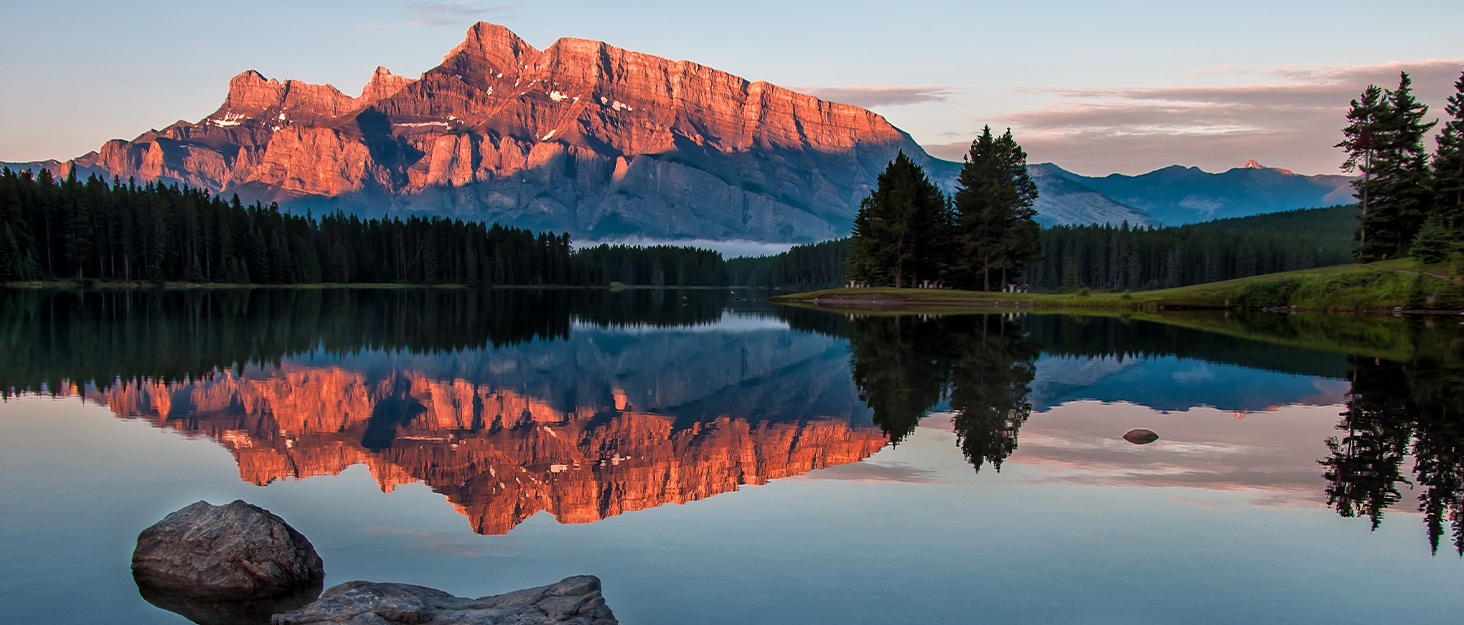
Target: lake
{"x": 717, "y": 459}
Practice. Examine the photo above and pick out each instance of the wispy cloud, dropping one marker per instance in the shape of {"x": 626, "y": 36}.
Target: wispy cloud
{"x": 1287, "y": 117}
{"x": 441, "y": 14}
{"x": 873, "y": 96}
{"x": 870, "y": 472}
{"x": 450, "y": 13}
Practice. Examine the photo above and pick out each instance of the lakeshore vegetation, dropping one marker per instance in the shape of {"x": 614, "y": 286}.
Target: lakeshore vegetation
{"x": 154, "y": 233}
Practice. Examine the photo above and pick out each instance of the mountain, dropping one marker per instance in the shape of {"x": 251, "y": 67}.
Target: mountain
{"x": 605, "y": 143}
{"x": 1063, "y": 200}
{"x": 1178, "y": 195}
{"x": 580, "y": 137}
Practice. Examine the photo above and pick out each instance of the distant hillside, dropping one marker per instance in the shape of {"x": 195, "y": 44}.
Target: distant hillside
{"x": 1062, "y": 200}
{"x": 1109, "y": 256}
{"x": 1178, "y": 195}
{"x": 1336, "y": 223}
{"x": 1100, "y": 257}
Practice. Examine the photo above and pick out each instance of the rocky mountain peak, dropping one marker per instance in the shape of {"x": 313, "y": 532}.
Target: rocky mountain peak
{"x": 580, "y": 137}
{"x": 489, "y": 47}
{"x": 383, "y": 85}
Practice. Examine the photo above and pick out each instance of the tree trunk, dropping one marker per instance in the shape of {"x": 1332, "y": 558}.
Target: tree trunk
{"x": 1366, "y": 177}
{"x": 986, "y": 274}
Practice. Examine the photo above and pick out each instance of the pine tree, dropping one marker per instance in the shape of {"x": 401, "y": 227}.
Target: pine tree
{"x": 1431, "y": 245}
{"x": 1020, "y": 242}
{"x": 1448, "y": 163}
{"x": 1401, "y": 188}
{"x": 1361, "y": 140}
{"x": 900, "y": 230}
{"x": 994, "y": 214}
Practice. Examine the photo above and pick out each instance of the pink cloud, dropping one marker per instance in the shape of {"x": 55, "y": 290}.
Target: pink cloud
{"x": 1270, "y": 458}
{"x": 1290, "y": 121}
{"x": 875, "y": 96}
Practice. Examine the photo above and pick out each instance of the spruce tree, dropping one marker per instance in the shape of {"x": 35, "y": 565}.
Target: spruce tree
{"x": 1020, "y": 242}
{"x": 1402, "y": 185}
{"x": 1431, "y": 245}
{"x": 1448, "y": 163}
{"x": 900, "y": 230}
{"x": 994, "y": 214}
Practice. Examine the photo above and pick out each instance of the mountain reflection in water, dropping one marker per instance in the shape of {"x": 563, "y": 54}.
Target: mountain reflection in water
{"x": 589, "y": 404}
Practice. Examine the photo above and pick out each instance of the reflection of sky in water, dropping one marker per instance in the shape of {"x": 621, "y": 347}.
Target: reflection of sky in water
{"x": 1076, "y": 528}
{"x": 1170, "y": 383}
{"x": 1222, "y": 520}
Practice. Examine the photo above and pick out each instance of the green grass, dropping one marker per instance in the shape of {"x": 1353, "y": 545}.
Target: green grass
{"x": 1340, "y": 288}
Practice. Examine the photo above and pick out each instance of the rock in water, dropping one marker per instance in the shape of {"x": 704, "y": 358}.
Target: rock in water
{"x": 1141, "y": 436}
{"x": 572, "y": 600}
{"x": 232, "y": 553}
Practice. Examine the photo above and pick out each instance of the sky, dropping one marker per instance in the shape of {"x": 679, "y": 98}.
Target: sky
{"x": 1097, "y": 88}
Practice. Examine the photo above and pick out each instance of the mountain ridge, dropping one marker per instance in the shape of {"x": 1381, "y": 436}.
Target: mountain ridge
{"x": 1178, "y": 195}
{"x": 580, "y": 137}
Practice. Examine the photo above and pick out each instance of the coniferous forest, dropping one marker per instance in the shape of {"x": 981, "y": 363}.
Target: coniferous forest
{"x": 1412, "y": 203}
{"x": 812, "y": 266}
{"x": 94, "y": 230}
{"x": 1118, "y": 257}
{"x": 1124, "y": 258}
{"x": 908, "y": 233}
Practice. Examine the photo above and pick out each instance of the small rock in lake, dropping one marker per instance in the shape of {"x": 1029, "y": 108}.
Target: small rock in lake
{"x": 1141, "y": 436}
{"x": 235, "y": 552}
{"x": 573, "y": 600}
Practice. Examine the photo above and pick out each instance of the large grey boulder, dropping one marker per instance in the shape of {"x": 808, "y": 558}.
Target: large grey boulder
{"x": 574, "y": 600}
{"x": 234, "y": 552}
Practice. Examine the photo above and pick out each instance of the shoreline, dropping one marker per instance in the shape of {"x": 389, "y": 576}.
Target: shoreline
{"x": 1389, "y": 287}
{"x": 892, "y": 302}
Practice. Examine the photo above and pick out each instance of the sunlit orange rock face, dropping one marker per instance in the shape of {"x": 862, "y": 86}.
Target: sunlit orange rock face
{"x": 580, "y": 136}
{"x": 498, "y": 456}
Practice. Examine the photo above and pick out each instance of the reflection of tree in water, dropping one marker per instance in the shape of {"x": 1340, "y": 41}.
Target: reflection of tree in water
{"x": 1397, "y": 409}
{"x": 50, "y": 338}
{"x": 990, "y": 375}
{"x": 896, "y": 364}
{"x": 904, "y": 365}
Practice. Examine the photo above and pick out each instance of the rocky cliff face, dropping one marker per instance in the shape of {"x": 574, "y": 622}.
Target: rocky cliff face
{"x": 499, "y": 456}
{"x": 580, "y": 137}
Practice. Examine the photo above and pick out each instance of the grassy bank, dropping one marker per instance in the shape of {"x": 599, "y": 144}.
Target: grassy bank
{"x": 1342, "y": 288}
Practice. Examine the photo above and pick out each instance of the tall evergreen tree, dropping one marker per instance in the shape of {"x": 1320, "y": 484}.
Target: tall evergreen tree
{"x": 901, "y": 229}
{"x": 1362, "y": 142}
{"x": 994, "y": 214}
{"x": 1448, "y": 163}
{"x": 1401, "y": 188}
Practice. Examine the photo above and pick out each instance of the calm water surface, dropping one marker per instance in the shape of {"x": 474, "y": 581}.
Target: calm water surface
{"x": 714, "y": 459}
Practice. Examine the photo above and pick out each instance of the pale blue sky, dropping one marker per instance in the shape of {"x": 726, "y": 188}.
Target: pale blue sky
{"x": 1095, "y": 87}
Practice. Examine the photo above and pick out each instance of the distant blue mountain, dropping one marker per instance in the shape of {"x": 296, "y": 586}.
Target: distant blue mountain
{"x": 1178, "y": 195}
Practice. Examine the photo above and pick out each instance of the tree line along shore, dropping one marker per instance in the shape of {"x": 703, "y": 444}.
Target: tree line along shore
{"x": 981, "y": 238}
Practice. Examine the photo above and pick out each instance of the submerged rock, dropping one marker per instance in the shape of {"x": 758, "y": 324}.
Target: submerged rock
{"x": 236, "y": 552}
{"x": 572, "y": 600}
{"x": 1141, "y": 436}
